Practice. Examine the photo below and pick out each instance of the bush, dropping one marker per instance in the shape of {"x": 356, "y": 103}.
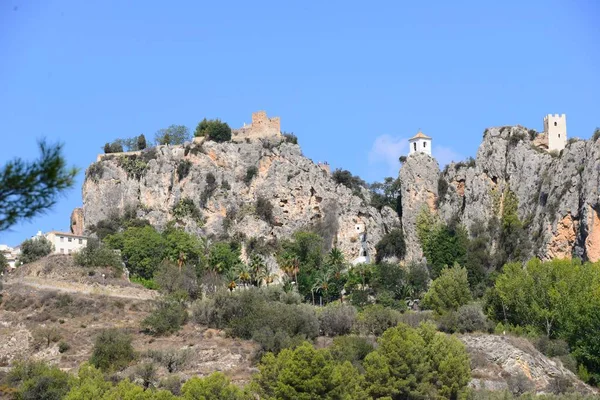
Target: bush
{"x": 216, "y": 386}
{"x": 168, "y": 317}
{"x": 186, "y": 208}
{"x": 350, "y": 348}
{"x": 172, "y": 360}
{"x": 36, "y": 380}
{"x": 183, "y": 169}
{"x": 250, "y": 174}
{"x": 596, "y": 135}
{"x": 290, "y": 138}
{"x": 551, "y": 347}
{"x": 209, "y": 189}
{"x": 391, "y": 245}
{"x": 112, "y": 351}
{"x": 96, "y": 254}
{"x": 134, "y": 166}
{"x": 45, "y": 336}
{"x": 264, "y": 210}
{"x": 376, "y": 319}
{"x": 172, "y": 279}
{"x": 337, "y": 319}
{"x": 173, "y": 135}
{"x": 63, "y": 347}
{"x": 470, "y": 318}
{"x": 114, "y": 147}
{"x": 449, "y": 291}
{"x": 352, "y": 182}
{"x": 214, "y": 130}
{"x": 34, "y": 249}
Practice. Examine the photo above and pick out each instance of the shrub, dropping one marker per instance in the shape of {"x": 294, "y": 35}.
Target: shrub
{"x": 173, "y": 135}
{"x": 376, "y": 319}
{"x": 551, "y": 347}
{"x": 216, "y": 386}
{"x": 183, "y": 169}
{"x": 34, "y": 249}
{"x": 250, "y": 174}
{"x": 168, "y": 317}
{"x": 470, "y": 318}
{"x": 134, "y": 166}
{"x": 172, "y": 383}
{"x": 36, "y": 380}
{"x": 63, "y": 347}
{"x": 94, "y": 172}
{"x": 442, "y": 188}
{"x": 112, "y": 351}
{"x": 96, "y": 254}
{"x": 264, "y": 210}
{"x": 214, "y": 130}
{"x": 172, "y": 279}
{"x": 45, "y": 336}
{"x": 209, "y": 189}
{"x": 114, "y": 147}
{"x": 391, "y": 245}
{"x": 352, "y": 182}
{"x": 186, "y": 208}
{"x": 337, "y": 319}
{"x": 141, "y": 142}
{"x": 402, "y": 159}
{"x": 596, "y": 135}
{"x": 173, "y": 360}
{"x": 350, "y": 348}
{"x": 449, "y": 291}
{"x": 289, "y": 137}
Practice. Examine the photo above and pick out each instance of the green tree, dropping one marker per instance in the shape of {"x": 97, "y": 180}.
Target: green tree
{"x": 391, "y": 245}
{"x": 27, "y": 189}
{"x": 3, "y": 263}
{"x": 168, "y": 316}
{"x": 386, "y": 193}
{"x": 142, "y": 249}
{"x": 34, "y": 249}
{"x": 126, "y": 389}
{"x": 141, "y": 142}
{"x": 449, "y": 291}
{"x": 213, "y": 129}
{"x": 35, "y": 380}
{"x": 223, "y": 257}
{"x": 216, "y": 386}
{"x": 417, "y": 363}
{"x": 112, "y": 350}
{"x": 89, "y": 384}
{"x": 303, "y": 373}
{"x": 96, "y": 254}
{"x": 173, "y": 135}
{"x": 514, "y": 244}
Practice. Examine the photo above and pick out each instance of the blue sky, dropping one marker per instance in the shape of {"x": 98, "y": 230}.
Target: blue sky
{"x": 352, "y": 79}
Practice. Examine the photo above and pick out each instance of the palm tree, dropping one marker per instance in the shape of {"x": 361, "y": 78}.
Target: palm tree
{"x": 231, "y": 279}
{"x": 265, "y": 274}
{"x": 243, "y": 273}
{"x": 321, "y": 283}
{"x": 291, "y": 266}
{"x": 335, "y": 259}
{"x": 257, "y": 266}
{"x": 181, "y": 260}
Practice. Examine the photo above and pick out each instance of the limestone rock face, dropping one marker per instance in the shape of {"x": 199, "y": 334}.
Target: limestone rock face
{"x": 419, "y": 188}
{"x": 300, "y": 192}
{"x": 77, "y": 222}
{"x": 558, "y": 194}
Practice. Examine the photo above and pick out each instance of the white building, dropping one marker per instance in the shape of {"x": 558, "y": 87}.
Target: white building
{"x": 11, "y": 254}
{"x": 555, "y": 127}
{"x": 363, "y": 255}
{"x": 419, "y": 143}
{"x": 66, "y": 243}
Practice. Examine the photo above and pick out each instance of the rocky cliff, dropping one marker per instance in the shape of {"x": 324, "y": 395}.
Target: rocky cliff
{"x": 557, "y": 193}
{"x": 224, "y": 182}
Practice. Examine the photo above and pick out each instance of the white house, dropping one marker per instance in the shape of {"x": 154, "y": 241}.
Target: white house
{"x": 419, "y": 143}
{"x": 66, "y": 243}
{"x": 11, "y": 254}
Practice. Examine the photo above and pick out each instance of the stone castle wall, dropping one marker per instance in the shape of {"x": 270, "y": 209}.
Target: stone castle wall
{"x": 261, "y": 127}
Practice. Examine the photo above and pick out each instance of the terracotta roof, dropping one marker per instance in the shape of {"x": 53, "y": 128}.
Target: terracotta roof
{"x": 420, "y": 135}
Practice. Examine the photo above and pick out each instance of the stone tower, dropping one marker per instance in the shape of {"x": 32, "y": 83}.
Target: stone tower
{"x": 419, "y": 143}
{"x": 555, "y": 126}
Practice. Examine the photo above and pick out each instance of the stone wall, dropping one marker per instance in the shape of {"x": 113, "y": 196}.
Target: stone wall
{"x": 261, "y": 127}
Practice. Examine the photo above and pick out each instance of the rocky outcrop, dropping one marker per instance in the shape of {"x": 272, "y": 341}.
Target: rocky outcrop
{"x": 558, "y": 193}
{"x": 77, "y": 222}
{"x": 501, "y": 362}
{"x": 419, "y": 189}
{"x": 224, "y": 181}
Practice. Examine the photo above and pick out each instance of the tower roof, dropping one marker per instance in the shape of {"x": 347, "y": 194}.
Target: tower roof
{"x": 419, "y": 135}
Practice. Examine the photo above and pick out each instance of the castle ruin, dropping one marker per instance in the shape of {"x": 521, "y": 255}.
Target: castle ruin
{"x": 554, "y": 137}
{"x": 261, "y": 127}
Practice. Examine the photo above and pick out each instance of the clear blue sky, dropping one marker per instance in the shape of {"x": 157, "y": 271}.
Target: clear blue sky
{"x": 352, "y": 79}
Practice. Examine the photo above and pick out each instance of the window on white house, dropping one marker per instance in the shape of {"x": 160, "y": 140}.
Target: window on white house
{"x": 62, "y": 238}
{"x": 69, "y": 251}
{"x": 62, "y": 251}
{"x": 80, "y": 241}
{"x": 424, "y": 144}
{"x": 70, "y": 240}
{"x": 555, "y": 124}
{"x": 415, "y": 146}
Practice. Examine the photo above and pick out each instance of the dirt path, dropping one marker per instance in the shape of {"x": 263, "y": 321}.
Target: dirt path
{"x": 82, "y": 288}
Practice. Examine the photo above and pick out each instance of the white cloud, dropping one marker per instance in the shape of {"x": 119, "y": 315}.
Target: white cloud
{"x": 387, "y": 149}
